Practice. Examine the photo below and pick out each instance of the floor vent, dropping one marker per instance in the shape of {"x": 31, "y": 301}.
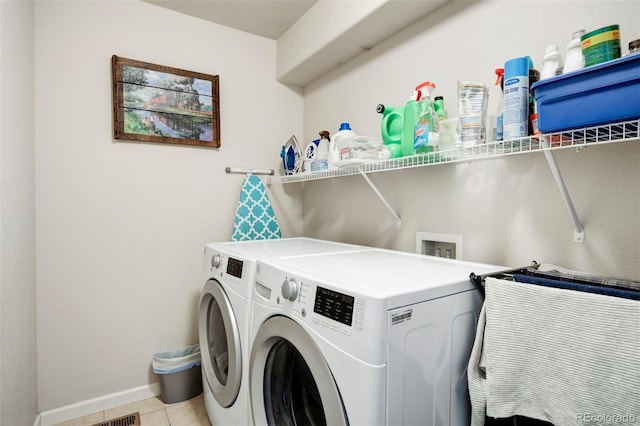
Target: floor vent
{"x": 128, "y": 420}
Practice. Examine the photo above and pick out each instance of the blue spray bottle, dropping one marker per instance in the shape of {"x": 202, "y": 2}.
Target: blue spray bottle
{"x": 516, "y": 98}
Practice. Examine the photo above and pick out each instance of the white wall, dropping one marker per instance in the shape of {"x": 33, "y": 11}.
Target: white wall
{"x": 18, "y": 405}
{"x": 121, "y": 225}
{"x": 509, "y": 210}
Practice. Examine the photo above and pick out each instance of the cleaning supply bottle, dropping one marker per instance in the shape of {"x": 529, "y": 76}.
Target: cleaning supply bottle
{"x": 310, "y": 156}
{"x": 426, "y": 127}
{"x": 438, "y": 106}
{"x": 552, "y": 64}
{"x": 411, "y": 116}
{"x": 500, "y": 110}
{"x": 334, "y": 152}
{"x": 532, "y": 108}
{"x": 444, "y": 134}
{"x": 321, "y": 161}
{"x": 574, "y": 60}
{"x": 391, "y": 129}
{"x": 634, "y": 47}
{"x": 516, "y": 97}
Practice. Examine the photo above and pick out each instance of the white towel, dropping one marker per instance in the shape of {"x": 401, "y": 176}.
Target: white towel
{"x": 562, "y": 356}
{"x": 254, "y": 219}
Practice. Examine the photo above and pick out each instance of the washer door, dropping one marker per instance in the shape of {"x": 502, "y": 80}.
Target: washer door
{"x": 219, "y": 344}
{"x": 290, "y": 382}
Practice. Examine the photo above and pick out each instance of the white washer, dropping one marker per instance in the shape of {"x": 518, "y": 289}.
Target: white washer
{"x": 366, "y": 338}
{"x": 225, "y": 313}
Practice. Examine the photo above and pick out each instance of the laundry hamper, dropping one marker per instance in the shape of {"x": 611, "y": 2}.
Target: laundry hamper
{"x": 179, "y": 373}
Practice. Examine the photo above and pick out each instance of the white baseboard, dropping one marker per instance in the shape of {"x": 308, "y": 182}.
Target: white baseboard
{"x": 90, "y": 406}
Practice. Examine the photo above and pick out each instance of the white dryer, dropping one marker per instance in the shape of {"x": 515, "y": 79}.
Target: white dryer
{"x": 225, "y": 313}
{"x": 366, "y": 338}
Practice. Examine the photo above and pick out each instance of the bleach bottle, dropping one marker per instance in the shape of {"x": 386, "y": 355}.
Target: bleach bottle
{"x": 321, "y": 160}
{"x": 516, "y": 98}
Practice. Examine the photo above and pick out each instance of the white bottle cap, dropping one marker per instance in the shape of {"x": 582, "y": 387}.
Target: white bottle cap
{"x": 552, "y": 48}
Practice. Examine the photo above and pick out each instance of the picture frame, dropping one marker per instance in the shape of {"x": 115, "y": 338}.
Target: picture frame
{"x": 156, "y": 103}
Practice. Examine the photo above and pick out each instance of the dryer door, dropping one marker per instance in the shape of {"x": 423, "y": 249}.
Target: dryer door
{"x": 290, "y": 381}
{"x": 219, "y": 344}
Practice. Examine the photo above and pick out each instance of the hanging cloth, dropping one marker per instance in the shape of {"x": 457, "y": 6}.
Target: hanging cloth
{"x": 254, "y": 219}
{"x": 556, "y": 355}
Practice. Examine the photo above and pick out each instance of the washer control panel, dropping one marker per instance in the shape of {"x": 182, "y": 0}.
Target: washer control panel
{"x": 334, "y": 305}
{"x": 333, "y": 310}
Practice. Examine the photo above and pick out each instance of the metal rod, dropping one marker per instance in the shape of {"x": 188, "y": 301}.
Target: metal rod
{"x": 249, "y": 171}
{"x": 578, "y": 233}
{"x": 384, "y": 200}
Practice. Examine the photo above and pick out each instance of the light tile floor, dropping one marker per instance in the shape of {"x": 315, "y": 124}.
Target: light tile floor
{"x": 153, "y": 412}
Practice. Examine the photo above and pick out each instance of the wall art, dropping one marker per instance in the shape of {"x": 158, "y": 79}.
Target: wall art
{"x": 155, "y": 103}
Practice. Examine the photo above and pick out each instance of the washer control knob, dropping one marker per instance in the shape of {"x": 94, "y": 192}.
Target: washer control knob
{"x": 215, "y": 260}
{"x": 290, "y": 289}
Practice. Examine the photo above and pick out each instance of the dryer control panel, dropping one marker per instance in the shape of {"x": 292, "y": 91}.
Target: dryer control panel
{"x": 234, "y": 267}
{"x": 217, "y": 263}
{"x": 235, "y": 272}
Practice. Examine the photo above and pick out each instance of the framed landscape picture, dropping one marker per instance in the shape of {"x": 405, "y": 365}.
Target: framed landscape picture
{"x": 155, "y": 103}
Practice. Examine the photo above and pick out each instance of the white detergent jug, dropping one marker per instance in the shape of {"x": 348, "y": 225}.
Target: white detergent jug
{"x": 334, "y": 152}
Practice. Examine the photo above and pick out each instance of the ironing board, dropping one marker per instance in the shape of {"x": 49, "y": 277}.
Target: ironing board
{"x": 255, "y": 219}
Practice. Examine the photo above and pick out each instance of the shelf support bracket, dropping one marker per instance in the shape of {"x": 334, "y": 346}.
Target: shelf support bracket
{"x": 578, "y": 233}
{"x": 384, "y": 200}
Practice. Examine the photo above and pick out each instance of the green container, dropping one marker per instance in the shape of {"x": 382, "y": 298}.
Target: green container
{"x": 391, "y": 128}
{"x": 601, "y": 45}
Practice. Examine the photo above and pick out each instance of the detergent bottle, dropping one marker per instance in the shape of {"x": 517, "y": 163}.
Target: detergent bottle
{"x": 391, "y": 129}
{"x": 334, "y": 152}
{"x": 426, "y": 136}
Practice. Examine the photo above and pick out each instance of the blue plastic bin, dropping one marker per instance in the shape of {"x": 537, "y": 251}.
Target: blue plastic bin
{"x": 597, "y": 95}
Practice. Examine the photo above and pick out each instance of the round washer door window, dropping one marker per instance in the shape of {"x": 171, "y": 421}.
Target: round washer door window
{"x": 219, "y": 344}
{"x": 291, "y": 383}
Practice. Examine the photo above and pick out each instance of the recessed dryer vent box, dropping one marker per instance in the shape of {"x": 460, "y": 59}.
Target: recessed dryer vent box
{"x": 429, "y": 242}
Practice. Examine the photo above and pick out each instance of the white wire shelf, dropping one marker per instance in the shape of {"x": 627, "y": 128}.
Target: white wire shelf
{"x": 578, "y": 138}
